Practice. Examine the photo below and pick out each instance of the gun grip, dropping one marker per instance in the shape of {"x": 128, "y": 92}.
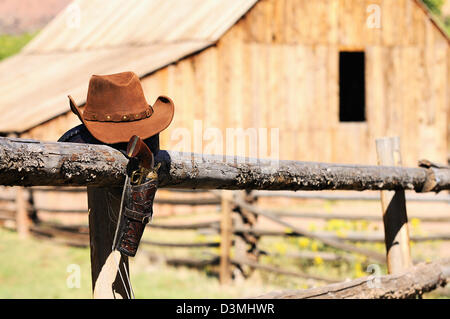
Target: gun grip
{"x": 138, "y": 149}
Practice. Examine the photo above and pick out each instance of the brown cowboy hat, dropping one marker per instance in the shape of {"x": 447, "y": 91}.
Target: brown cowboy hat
{"x": 116, "y": 109}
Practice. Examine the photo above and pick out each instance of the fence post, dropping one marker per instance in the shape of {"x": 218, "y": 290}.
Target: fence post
{"x": 31, "y": 207}
{"x": 393, "y": 204}
{"x": 107, "y": 282}
{"x": 251, "y": 219}
{"x": 226, "y": 235}
{"x": 22, "y": 219}
{"x": 246, "y": 243}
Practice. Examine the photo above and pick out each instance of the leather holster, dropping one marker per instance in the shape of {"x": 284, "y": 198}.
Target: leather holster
{"x": 137, "y": 211}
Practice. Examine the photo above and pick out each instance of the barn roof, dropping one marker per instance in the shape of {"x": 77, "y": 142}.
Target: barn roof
{"x": 111, "y": 36}
{"x": 105, "y": 37}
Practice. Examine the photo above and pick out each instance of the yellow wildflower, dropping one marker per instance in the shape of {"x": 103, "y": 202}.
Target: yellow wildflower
{"x": 303, "y": 242}
{"x": 364, "y": 224}
{"x": 200, "y": 238}
{"x": 379, "y": 246}
{"x": 359, "y": 270}
{"x": 318, "y": 260}
{"x": 415, "y": 223}
{"x": 281, "y": 248}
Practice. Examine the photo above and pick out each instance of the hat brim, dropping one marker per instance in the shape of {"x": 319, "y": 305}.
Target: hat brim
{"x": 118, "y": 132}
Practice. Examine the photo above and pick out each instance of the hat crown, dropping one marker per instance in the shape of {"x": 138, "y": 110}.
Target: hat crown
{"x": 116, "y": 109}
{"x": 119, "y": 93}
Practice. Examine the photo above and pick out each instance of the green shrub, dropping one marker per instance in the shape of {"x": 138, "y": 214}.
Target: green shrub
{"x": 11, "y": 44}
{"x": 434, "y": 5}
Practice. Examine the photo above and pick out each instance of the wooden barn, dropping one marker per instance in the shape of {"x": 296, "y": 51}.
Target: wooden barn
{"x": 331, "y": 75}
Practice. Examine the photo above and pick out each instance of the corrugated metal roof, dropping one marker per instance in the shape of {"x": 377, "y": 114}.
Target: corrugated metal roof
{"x": 113, "y": 36}
{"x": 38, "y": 86}
{"x": 112, "y": 23}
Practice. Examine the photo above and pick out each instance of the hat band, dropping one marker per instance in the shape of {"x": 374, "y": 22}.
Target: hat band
{"x": 117, "y": 117}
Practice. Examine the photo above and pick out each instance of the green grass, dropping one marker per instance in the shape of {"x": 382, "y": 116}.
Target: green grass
{"x": 38, "y": 269}
{"x": 35, "y": 268}
{"x": 12, "y": 44}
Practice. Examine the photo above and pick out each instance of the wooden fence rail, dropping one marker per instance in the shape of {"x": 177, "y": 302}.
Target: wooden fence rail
{"x": 29, "y": 162}
{"x": 356, "y": 216}
{"x": 346, "y": 236}
{"x": 351, "y": 197}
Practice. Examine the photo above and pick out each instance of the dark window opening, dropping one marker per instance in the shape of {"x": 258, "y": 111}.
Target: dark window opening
{"x": 352, "y": 100}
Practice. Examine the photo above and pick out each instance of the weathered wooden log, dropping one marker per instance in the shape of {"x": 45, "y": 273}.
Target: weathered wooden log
{"x": 28, "y": 162}
{"x": 311, "y": 255}
{"x": 181, "y": 245}
{"x": 60, "y": 189}
{"x": 357, "y": 216}
{"x": 182, "y": 261}
{"x": 54, "y": 232}
{"x": 62, "y": 210}
{"x": 7, "y": 199}
{"x": 7, "y": 214}
{"x": 414, "y": 282}
{"x": 346, "y": 236}
{"x": 71, "y": 242}
{"x": 184, "y": 226}
{"x": 188, "y": 201}
{"x": 23, "y": 220}
{"x": 246, "y": 243}
{"x": 421, "y": 197}
{"x": 73, "y": 228}
{"x": 350, "y": 236}
{"x": 226, "y": 239}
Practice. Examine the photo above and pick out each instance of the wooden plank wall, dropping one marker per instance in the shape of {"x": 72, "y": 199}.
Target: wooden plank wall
{"x": 278, "y": 67}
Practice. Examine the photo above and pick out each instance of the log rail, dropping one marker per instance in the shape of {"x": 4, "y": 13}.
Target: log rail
{"x": 33, "y": 163}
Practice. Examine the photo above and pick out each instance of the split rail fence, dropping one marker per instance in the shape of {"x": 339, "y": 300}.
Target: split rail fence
{"x": 32, "y": 163}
